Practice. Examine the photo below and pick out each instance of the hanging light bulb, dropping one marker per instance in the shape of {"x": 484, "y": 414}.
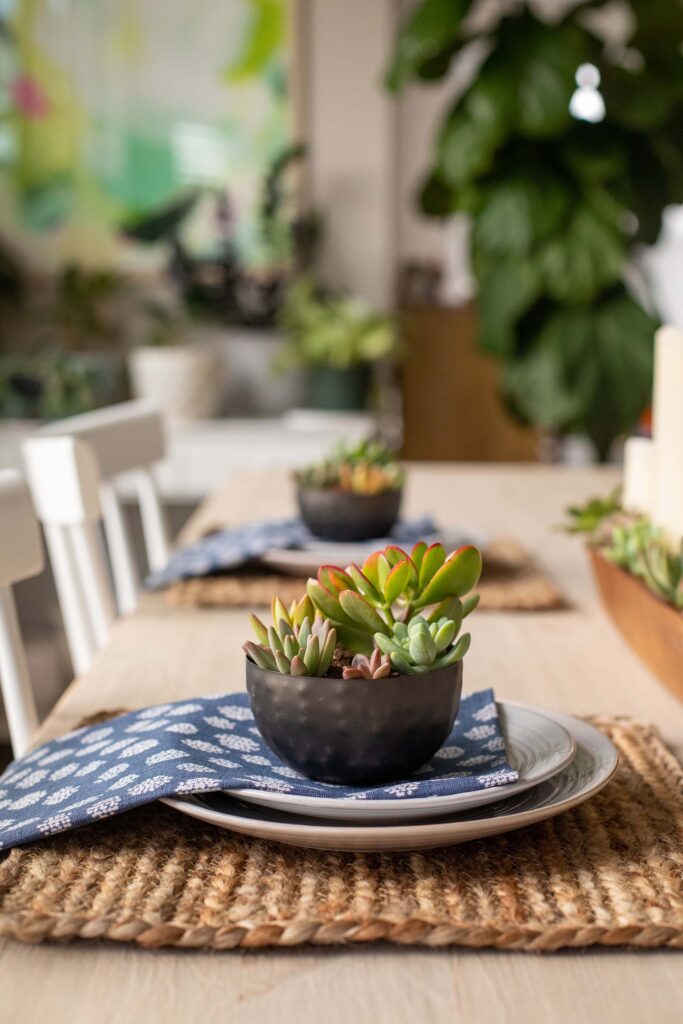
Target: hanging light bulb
{"x": 587, "y": 103}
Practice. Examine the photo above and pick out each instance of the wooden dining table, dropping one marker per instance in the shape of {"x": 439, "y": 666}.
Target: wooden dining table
{"x": 572, "y": 660}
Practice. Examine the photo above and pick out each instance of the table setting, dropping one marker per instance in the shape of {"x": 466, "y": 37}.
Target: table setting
{"x": 352, "y": 752}
{"x": 348, "y": 505}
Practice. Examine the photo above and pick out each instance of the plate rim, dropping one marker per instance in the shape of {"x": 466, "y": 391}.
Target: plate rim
{"x": 417, "y": 830}
{"x": 270, "y": 558}
{"x": 288, "y": 800}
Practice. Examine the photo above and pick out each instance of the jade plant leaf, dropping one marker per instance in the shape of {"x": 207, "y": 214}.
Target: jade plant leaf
{"x": 361, "y": 613}
{"x": 432, "y": 560}
{"x": 456, "y": 576}
{"x": 397, "y": 580}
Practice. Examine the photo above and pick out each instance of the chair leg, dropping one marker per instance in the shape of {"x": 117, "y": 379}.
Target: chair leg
{"x": 93, "y": 579}
{"x": 154, "y": 525}
{"x": 17, "y": 693}
{"x": 79, "y": 632}
{"x": 126, "y": 579}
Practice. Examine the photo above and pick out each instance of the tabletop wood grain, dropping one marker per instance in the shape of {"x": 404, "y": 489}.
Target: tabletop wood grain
{"x": 571, "y": 660}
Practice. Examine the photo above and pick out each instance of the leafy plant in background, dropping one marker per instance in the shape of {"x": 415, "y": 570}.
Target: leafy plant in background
{"x": 50, "y": 384}
{"x": 87, "y": 308}
{"x": 557, "y": 203}
{"x": 367, "y": 467}
{"x": 332, "y": 330}
{"x": 218, "y": 285}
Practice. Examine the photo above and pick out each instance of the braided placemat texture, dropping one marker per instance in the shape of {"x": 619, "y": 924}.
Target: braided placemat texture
{"x": 608, "y": 872}
{"x": 512, "y": 581}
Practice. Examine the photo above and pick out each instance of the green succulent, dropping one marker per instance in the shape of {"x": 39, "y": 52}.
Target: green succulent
{"x": 589, "y": 517}
{"x": 642, "y": 550}
{"x": 392, "y": 587}
{"x": 421, "y": 646}
{"x": 368, "y": 467}
{"x": 304, "y": 649}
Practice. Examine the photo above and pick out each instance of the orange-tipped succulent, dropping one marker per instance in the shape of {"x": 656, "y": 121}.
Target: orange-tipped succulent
{"x": 392, "y": 586}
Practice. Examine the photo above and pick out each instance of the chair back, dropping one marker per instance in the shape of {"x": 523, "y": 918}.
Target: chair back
{"x": 74, "y": 467}
{"x": 21, "y": 556}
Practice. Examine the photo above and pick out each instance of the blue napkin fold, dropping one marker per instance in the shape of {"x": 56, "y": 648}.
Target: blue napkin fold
{"x": 231, "y": 549}
{"x": 211, "y": 743}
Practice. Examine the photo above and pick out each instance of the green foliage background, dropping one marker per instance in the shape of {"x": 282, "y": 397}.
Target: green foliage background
{"x": 557, "y": 204}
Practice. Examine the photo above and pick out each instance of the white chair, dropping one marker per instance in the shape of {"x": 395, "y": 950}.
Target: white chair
{"x": 21, "y": 556}
{"x": 73, "y": 467}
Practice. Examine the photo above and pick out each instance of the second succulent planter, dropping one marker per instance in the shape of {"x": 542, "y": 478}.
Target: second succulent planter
{"x": 338, "y": 515}
{"x": 355, "y": 732}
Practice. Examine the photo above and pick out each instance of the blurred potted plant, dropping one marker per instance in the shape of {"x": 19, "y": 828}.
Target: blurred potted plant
{"x": 353, "y": 495}
{"x": 60, "y": 353}
{"x": 231, "y": 306}
{"x": 50, "y": 384}
{"x": 564, "y": 150}
{"x": 183, "y": 379}
{"x": 338, "y": 339}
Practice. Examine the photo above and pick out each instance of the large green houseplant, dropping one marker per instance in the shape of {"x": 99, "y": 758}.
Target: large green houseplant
{"x": 557, "y": 202}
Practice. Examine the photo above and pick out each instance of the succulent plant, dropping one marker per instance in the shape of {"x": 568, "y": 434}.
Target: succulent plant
{"x": 589, "y": 517}
{"x": 642, "y": 550}
{"x": 369, "y": 467}
{"x": 377, "y": 666}
{"x": 304, "y": 649}
{"x": 421, "y": 646}
{"x": 392, "y": 587}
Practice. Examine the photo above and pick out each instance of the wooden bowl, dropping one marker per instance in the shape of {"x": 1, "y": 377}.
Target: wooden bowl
{"x": 652, "y": 628}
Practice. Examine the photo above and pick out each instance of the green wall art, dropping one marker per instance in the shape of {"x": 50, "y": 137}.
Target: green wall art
{"x": 112, "y": 109}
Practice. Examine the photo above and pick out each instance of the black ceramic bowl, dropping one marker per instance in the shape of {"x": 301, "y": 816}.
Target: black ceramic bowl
{"x": 355, "y": 731}
{"x": 345, "y": 516}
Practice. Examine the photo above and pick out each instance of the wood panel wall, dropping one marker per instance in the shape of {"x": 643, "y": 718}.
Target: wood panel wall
{"x": 451, "y": 406}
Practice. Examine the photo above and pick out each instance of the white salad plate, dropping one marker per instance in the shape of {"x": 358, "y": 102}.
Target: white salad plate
{"x": 537, "y": 747}
{"x": 306, "y": 561}
{"x": 591, "y": 769}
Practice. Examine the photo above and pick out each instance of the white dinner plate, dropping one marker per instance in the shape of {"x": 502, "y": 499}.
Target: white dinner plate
{"x": 593, "y": 766}
{"x": 537, "y": 747}
{"x": 306, "y": 561}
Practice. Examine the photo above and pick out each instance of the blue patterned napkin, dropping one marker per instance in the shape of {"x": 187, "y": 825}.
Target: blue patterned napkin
{"x": 206, "y": 744}
{"x": 231, "y": 549}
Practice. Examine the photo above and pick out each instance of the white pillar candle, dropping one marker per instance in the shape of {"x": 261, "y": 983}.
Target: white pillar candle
{"x": 668, "y": 431}
{"x": 639, "y": 476}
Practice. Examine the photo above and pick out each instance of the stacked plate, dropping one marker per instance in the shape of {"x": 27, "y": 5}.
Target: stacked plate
{"x": 307, "y": 560}
{"x": 561, "y": 761}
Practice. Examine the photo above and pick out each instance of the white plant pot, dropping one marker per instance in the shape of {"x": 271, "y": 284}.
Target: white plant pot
{"x": 185, "y": 381}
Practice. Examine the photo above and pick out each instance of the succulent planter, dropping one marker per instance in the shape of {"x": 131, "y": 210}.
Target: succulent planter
{"x": 334, "y": 514}
{"x": 652, "y": 628}
{"x": 355, "y": 732}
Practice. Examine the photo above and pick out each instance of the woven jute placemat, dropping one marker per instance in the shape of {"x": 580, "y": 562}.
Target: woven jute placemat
{"x": 511, "y": 581}
{"x": 608, "y": 872}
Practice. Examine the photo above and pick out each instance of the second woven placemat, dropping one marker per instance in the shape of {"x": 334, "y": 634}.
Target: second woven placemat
{"x": 609, "y": 872}
{"x": 512, "y": 581}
